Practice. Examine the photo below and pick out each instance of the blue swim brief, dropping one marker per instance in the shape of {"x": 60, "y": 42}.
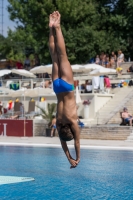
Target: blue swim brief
{"x": 59, "y": 85}
{"x": 54, "y": 126}
{"x": 127, "y": 119}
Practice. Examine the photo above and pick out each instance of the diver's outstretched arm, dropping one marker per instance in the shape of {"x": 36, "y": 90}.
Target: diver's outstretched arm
{"x": 70, "y": 159}
{"x": 76, "y": 133}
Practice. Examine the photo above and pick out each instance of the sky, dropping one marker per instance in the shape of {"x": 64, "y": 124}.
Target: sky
{"x": 6, "y": 20}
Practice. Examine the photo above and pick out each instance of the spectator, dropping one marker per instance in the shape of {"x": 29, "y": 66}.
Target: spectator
{"x": 9, "y": 65}
{"x": 127, "y": 116}
{"x": 97, "y": 60}
{"x": 107, "y": 84}
{"x": 19, "y": 65}
{"x": 130, "y": 68}
{"x": 88, "y": 87}
{"x": 92, "y": 60}
{"x": 130, "y": 83}
{"x": 7, "y": 77}
{"x": 113, "y": 59}
{"x": 14, "y": 117}
{"x": 53, "y": 125}
{"x": 21, "y": 110}
{"x": 46, "y": 75}
{"x": 81, "y": 124}
{"x": 34, "y": 84}
{"x": 46, "y": 84}
{"x": 120, "y": 58}
{"x": 37, "y": 60}
{"x": 104, "y": 60}
{"x": 107, "y": 61}
{"x": 102, "y": 55}
{"x": 27, "y": 63}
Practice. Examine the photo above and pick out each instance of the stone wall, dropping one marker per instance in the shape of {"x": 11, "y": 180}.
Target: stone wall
{"x": 97, "y": 132}
{"x": 106, "y": 133}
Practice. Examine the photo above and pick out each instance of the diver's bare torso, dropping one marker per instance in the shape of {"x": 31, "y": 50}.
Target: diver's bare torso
{"x": 66, "y": 108}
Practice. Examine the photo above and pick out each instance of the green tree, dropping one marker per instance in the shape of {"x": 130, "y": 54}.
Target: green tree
{"x": 89, "y": 27}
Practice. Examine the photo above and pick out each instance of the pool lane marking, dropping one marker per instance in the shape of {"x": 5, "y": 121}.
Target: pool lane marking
{"x": 69, "y": 145}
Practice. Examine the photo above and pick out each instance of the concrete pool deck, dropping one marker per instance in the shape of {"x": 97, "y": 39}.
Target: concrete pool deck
{"x": 54, "y": 142}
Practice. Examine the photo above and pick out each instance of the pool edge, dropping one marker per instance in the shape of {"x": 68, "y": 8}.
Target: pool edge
{"x": 70, "y": 146}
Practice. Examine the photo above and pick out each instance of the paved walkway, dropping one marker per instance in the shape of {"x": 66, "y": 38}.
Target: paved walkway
{"x": 54, "y": 142}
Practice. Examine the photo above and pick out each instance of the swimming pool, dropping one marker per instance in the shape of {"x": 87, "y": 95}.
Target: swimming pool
{"x": 101, "y": 174}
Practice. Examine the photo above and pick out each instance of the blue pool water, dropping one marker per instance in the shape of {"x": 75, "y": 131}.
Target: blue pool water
{"x": 101, "y": 174}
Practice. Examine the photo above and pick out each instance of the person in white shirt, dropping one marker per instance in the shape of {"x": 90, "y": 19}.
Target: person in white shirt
{"x": 88, "y": 87}
{"x": 120, "y": 58}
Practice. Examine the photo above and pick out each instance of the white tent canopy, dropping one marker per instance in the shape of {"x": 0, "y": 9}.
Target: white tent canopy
{"x": 42, "y": 69}
{"x": 23, "y": 72}
{"x": 102, "y": 71}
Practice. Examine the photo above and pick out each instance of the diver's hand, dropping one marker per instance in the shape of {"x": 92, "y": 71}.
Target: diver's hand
{"x": 73, "y": 163}
{"x": 77, "y": 161}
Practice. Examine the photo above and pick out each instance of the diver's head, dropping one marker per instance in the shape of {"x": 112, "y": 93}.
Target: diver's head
{"x": 65, "y": 132}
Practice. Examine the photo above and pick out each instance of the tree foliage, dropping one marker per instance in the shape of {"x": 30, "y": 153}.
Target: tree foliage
{"x": 89, "y": 27}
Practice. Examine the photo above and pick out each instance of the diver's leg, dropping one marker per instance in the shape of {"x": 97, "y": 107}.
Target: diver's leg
{"x": 53, "y": 52}
{"x": 65, "y": 67}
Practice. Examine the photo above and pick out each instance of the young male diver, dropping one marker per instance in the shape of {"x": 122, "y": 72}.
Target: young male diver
{"x": 63, "y": 86}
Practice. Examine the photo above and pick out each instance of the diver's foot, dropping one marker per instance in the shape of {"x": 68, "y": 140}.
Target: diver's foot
{"x": 57, "y": 19}
{"x": 51, "y": 19}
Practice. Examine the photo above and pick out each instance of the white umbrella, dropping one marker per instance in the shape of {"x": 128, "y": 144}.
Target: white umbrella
{"x": 89, "y": 67}
{"x": 42, "y": 69}
{"x": 16, "y": 93}
{"x": 43, "y": 91}
{"x": 31, "y": 93}
{"x": 78, "y": 98}
{"x": 102, "y": 71}
{"x": 23, "y": 72}
{"x": 4, "y": 90}
{"x": 4, "y": 72}
{"x": 37, "y": 92}
{"x": 77, "y": 68}
{"x": 48, "y": 68}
